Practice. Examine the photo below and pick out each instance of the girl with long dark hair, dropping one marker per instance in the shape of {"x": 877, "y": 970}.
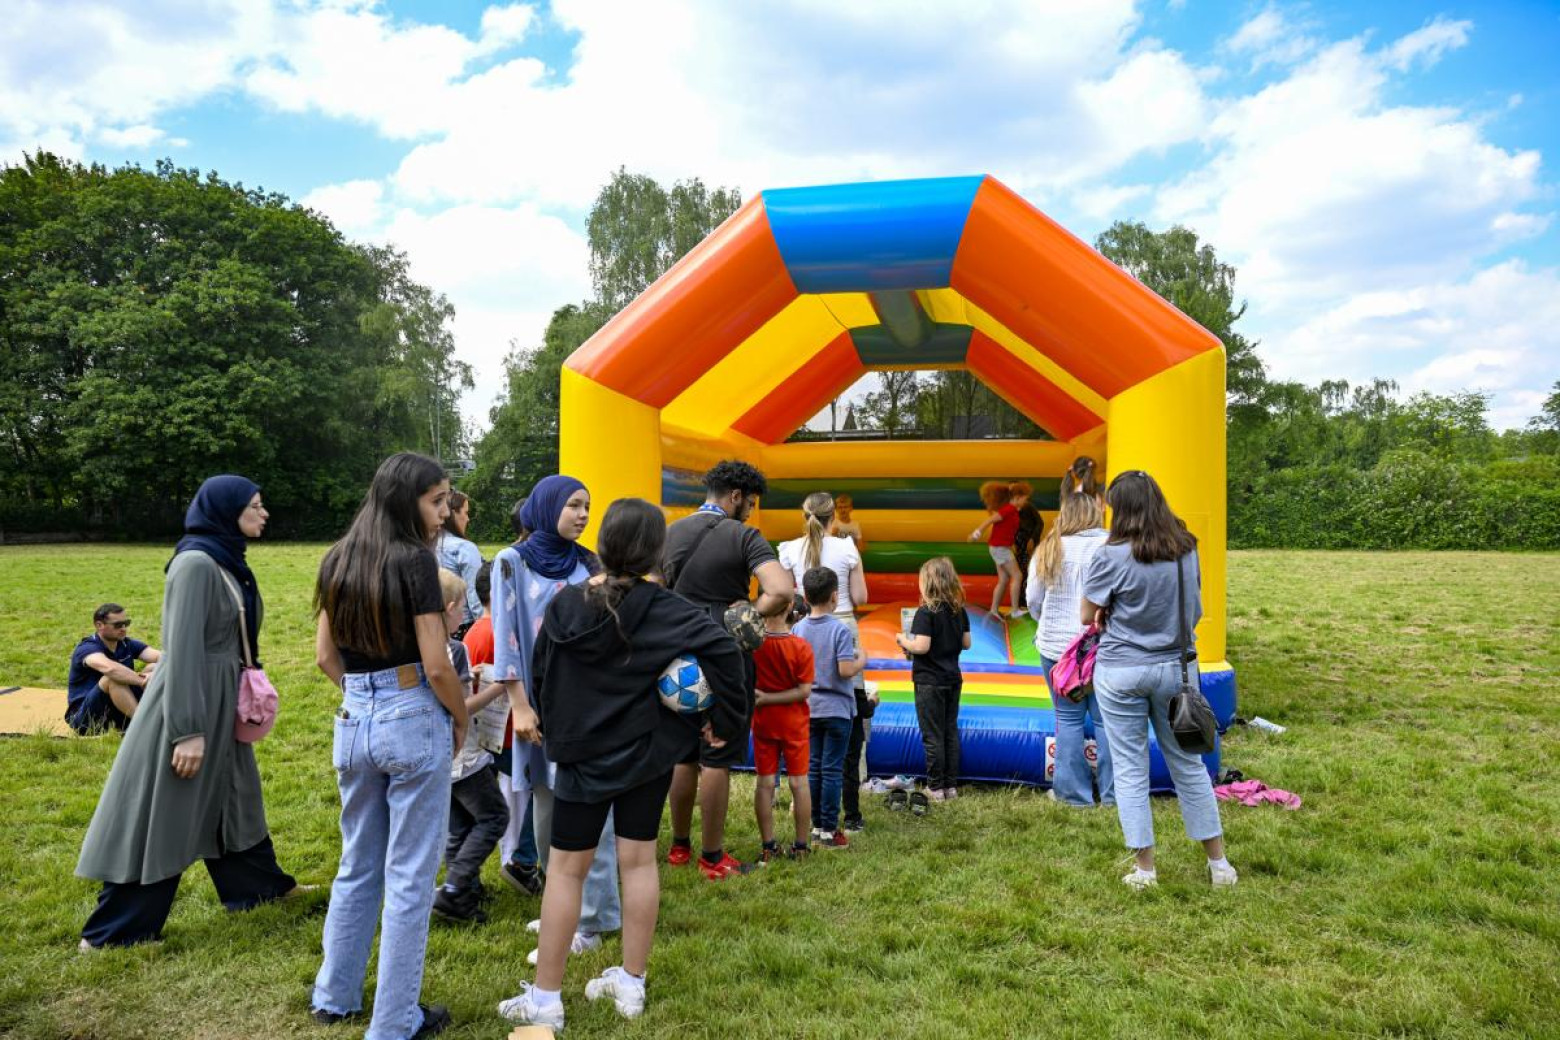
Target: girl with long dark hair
{"x": 600, "y": 650}
{"x": 382, "y": 638}
{"x": 183, "y": 787}
{"x": 1140, "y": 585}
{"x": 460, "y": 556}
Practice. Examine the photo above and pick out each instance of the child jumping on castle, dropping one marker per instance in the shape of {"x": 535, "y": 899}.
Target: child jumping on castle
{"x": 1003, "y": 521}
{"x": 784, "y": 664}
{"x": 478, "y": 815}
{"x": 939, "y": 631}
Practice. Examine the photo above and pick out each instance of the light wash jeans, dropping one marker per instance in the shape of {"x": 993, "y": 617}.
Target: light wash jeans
{"x": 601, "y": 905}
{"x": 1131, "y": 697}
{"x": 1074, "y": 781}
{"x": 392, "y": 756}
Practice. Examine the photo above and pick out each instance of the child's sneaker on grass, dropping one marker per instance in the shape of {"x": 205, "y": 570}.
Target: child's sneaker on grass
{"x": 583, "y": 942}
{"x": 837, "y": 840}
{"x": 723, "y": 868}
{"x": 463, "y": 907}
{"x": 527, "y": 1010}
{"x": 1222, "y": 874}
{"x": 767, "y": 852}
{"x": 626, "y": 991}
{"x": 680, "y": 854}
{"x": 800, "y": 850}
{"x": 855, "y": 824}
{"x": 523, "y": 877}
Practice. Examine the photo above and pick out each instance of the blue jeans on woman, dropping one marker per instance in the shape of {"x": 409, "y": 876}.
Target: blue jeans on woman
{"x": 1072, "y": 781}
{"x": 392, "y": 756}
{"x": 828, "y": 739}
{"x": 1132, "y": 698}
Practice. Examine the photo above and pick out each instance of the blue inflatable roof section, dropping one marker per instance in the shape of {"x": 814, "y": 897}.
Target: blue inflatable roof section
{"x": 866, "y": 237}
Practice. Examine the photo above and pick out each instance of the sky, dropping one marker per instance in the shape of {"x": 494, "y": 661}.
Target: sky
{"x": 1381, "y": 175}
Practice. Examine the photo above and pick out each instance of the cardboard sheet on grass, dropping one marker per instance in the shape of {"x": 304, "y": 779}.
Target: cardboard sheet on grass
{"x": 24, "y": 709}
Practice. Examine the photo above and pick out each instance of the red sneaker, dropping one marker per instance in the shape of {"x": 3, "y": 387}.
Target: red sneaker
{"x": 837, "y": 840}
{"x": 679, "y": 855}
{"x": 726, "y": 867}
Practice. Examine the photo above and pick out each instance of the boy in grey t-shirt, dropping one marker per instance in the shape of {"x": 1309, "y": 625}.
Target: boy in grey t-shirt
{"x": 1144, "y": 626}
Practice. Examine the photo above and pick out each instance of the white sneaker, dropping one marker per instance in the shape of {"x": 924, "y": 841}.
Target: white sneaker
{"x": 627, "y": 992}
{"x": 1141, "y": 879}
{"x": 1222, "y": 877}
{"x": 524, "y": 1009}
{"x": 534, "y": 927}
{"x": 581, "y": 943}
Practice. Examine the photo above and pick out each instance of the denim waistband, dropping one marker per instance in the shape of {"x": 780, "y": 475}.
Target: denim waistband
{"x": 386, "y": 680}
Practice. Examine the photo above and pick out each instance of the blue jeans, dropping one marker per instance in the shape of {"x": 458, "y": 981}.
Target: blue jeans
{"x": 1133, "y": 697}
{"x": 1073, "y": 782}
{"x": 392, "y": 757}
{"x": 826, "y": 770}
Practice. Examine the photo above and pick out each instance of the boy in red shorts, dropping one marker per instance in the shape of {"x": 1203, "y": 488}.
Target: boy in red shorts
{"x": 784, "y": 664}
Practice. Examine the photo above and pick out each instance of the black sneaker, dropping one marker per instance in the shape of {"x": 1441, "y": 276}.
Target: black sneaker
{"x": 436, "y": 1019}
{"x": 464, "y": 907}
{"x": 333, "y": 1018}
{"x": 523, "y": 877}
{"x": 855, "y": 824}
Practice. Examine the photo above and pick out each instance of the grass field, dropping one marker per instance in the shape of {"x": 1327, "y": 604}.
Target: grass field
{"x": 1417, "y": 893}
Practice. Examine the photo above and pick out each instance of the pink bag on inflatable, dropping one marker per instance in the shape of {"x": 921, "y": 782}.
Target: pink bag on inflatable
{"x": 255, "y": 712}
{"x": 1073, "y": 674}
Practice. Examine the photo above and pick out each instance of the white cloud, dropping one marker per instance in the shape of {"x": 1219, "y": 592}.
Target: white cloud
{"x": 1427, "y": 45}
{"x": 1497, "y": 331}
{"x": 1271, "y": 38}
{"x": 506, "y": 26}
{"x": 138, "y": 136}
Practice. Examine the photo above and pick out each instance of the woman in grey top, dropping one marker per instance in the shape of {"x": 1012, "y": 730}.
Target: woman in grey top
{"x": 182, "y": 788}
{"x": 1130, "y": 588}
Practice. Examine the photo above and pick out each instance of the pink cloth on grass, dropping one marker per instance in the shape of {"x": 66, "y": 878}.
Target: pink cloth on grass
{"x": 1255, "y": 792}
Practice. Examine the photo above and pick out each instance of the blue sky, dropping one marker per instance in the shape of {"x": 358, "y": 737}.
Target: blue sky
{"x": 1382, "y": 175}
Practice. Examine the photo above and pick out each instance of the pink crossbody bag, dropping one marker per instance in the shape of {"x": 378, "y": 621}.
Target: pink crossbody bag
{"x": 1073, "y": 674}
{"x": 257, "y": 700}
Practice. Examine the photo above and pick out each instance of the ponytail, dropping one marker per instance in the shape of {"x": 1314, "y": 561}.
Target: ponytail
{"x": 819, "y": 511}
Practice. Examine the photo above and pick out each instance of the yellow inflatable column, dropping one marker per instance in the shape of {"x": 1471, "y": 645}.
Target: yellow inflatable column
{"x": 609, "y": 441}
{"x": 1172, "y": 425}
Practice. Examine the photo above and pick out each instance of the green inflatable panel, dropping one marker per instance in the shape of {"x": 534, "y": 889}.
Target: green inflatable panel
{"x": 1021, "y": 641}
{"x": 907, "y": 557}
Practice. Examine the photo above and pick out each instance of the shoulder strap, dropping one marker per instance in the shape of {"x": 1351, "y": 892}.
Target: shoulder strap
{"x": 682, "y": 568}
{"x": 1180, "y": 610}
{"x": 243, "y": 626}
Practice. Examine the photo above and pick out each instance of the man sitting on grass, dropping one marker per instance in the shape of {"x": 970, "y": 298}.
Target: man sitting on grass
{"x": 104, "y": 688}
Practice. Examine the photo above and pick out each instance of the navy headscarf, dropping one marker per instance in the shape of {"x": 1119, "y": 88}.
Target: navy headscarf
{"x": 546, "y": 551}
{"x": 211, "y": 526}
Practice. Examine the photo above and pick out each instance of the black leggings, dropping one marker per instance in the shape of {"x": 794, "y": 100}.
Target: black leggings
{"x": 636, "y": 815}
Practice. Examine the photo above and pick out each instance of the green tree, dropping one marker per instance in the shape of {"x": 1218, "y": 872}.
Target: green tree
{"x": 892, "y": 407}
{"x": 1189, "y": 274}
{"x": 1543, "y": 430}
{"x": 158, "y": 326}
{"x": 638, "y": 229}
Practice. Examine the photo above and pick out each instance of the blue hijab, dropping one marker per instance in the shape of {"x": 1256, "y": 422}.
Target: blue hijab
{"x": 544, "y": 550}
{"x": 211, "y": 526}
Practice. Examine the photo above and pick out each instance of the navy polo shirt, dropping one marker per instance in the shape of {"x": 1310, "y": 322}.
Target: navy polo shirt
{"x": 83, "y": 677}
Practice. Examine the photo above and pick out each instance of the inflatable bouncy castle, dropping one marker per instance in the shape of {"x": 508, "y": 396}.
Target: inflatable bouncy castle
{"x": 803, "y": 290}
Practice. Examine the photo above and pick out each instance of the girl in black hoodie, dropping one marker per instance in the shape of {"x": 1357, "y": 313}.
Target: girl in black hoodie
{"x": 594, "y": 669}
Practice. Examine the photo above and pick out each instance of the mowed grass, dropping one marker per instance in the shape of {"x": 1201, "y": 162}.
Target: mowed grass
{"x": 1417, "y": 893}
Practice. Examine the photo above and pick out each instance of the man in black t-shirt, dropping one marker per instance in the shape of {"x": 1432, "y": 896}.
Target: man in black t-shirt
{"x": 710, "y": 557}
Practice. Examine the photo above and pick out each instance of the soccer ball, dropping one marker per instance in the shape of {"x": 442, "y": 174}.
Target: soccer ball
{"x": 682, "y": 687}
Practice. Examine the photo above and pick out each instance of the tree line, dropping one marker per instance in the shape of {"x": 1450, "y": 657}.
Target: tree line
{"x": 158, "y": 326}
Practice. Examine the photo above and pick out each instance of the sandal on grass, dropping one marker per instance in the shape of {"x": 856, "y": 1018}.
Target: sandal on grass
{"x": 897, "y": 800}
{"x": 919, "y": 803}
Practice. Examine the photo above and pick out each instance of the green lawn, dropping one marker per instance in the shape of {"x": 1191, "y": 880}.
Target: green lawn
{"x": 1417, "y": 893}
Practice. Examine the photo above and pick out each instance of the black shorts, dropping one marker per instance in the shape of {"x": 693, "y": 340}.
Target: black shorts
{"x": 735, "y": 752}
{"x": 636, "y": 815}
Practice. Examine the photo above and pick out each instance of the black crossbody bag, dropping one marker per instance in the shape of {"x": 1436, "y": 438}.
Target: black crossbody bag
{"x": 1191, "y": 718}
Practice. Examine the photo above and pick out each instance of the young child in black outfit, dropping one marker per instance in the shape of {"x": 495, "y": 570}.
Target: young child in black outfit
{"x": 940, "y": 630}
{"x": 478, "y": 815}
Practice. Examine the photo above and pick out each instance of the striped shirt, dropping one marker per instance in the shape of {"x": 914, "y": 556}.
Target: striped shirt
{"x": 1055, "y": 604}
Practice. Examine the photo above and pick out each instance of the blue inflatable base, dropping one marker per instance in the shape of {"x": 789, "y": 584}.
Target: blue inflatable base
{"x": 999, "y": 744}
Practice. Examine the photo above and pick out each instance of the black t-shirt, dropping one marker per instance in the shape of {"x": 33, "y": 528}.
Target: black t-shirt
{"x": 939, "y": 665}
{"x": 416, "y": 583}
{"x": 714, "y": 573}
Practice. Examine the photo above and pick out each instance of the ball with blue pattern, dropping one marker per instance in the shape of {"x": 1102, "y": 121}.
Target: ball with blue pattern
{"x": 682, "y": 687}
